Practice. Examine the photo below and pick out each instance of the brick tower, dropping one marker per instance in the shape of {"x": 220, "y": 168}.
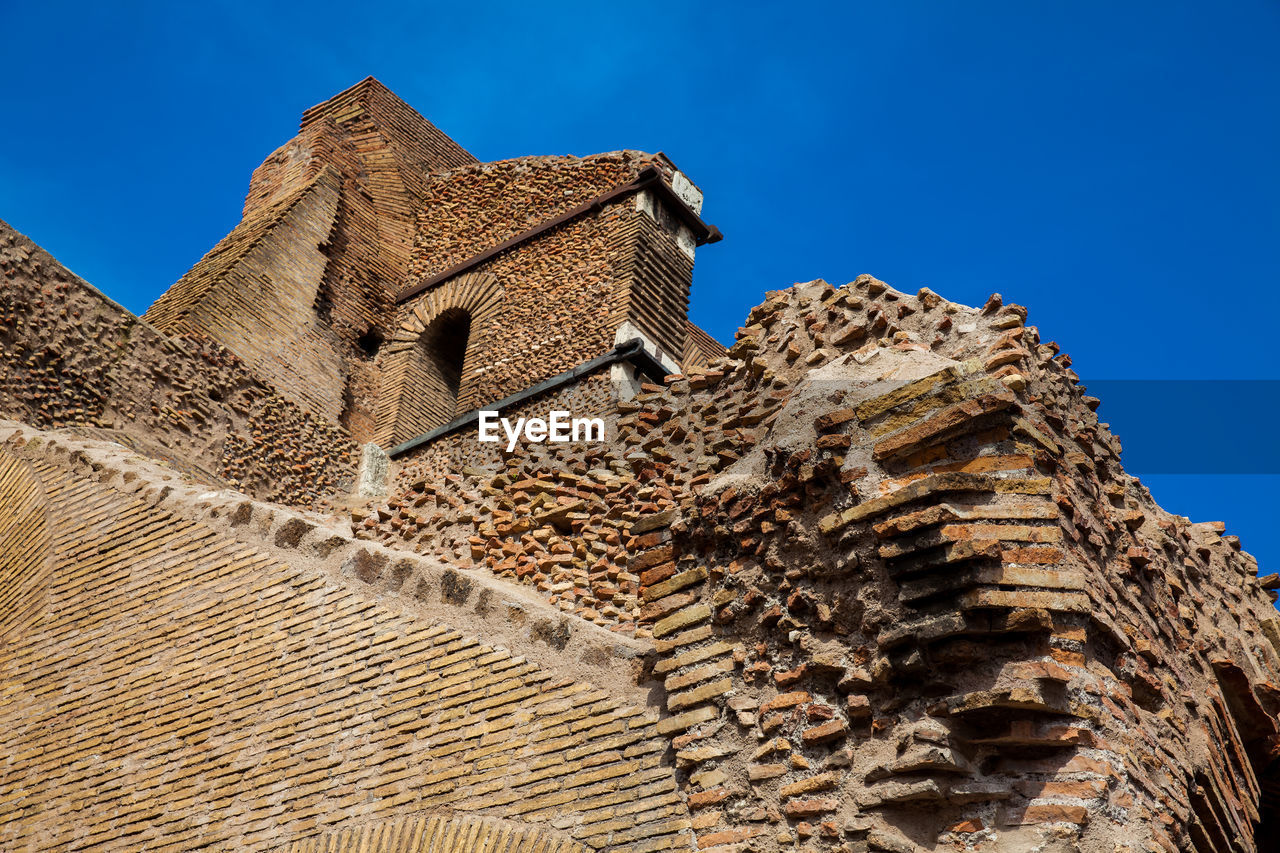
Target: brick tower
{"x": 387, "y": 281}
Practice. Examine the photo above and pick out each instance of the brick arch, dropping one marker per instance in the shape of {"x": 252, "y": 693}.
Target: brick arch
{"x": 479, "y": 296}
{"x": 26, "y": 555}
{"x": 422, "y": 834}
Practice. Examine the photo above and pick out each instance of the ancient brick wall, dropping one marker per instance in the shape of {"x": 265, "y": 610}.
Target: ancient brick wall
{"x": 546, "y": 305}
{"x": 902, "y": 593}
{"x": 259, "y": 287}
{"x": 528, "y": 331}
{"x": 69, "y": 357}
{"x": 416, "y": 146}
{"x": 468, "y": 210}
{"x": 654, "y": 277}
{"x": 552, "y": 519}
{"x": 302, "y": 289}
{"x": 878, "y": 563}
{"x": 385, "y": 150}
{"x": 1180, "y": 637}
{"x": 179, "y": 689}
{"x": 370, "y": 199}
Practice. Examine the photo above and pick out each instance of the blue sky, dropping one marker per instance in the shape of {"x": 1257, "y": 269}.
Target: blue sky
{"x": 1110, "y": 165}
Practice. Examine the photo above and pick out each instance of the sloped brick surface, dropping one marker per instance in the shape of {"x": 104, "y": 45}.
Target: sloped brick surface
{"x": 182, "y": 691}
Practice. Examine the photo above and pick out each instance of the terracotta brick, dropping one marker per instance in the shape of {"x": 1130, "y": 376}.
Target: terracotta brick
{"x": 983, "y": 515}
{"x": 826, "y": 732}
{"x": 811, "y": 807}
{"x": 785, "y": 700}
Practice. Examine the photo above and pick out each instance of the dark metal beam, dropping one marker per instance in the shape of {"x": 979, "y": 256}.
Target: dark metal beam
{"x": 632, "y": 351}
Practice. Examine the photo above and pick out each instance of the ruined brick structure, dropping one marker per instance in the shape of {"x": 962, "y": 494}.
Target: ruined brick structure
{"x": 871, "y": 579}
{"x": 351, "y": 221}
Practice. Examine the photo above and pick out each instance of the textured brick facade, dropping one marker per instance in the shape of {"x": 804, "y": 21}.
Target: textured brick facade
{"x": 872, "y": 579}
{"x": 901, "y": 591}
{"x": 550, "y": 303}
{"x": 69, "y": 357}
{"x": 176, "y": 689}
{"x": 25, "y": 559}
{"x": 369, "y": 201}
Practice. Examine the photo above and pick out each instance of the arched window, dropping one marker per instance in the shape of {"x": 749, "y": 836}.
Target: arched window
{"x": 429, "y": 396}
{"x": 428, "y": 364}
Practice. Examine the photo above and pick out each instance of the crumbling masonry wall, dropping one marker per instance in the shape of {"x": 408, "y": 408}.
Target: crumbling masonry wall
{"x": 69, "y": 357}
{"x": 902, "y": 593}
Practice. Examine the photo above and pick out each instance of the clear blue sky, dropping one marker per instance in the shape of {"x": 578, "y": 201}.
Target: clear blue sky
{"x": 1110, "y": 165}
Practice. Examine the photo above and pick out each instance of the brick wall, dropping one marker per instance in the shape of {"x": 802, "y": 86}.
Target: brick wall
{"x": 259, "y": 288}
{"x": 654, "y": 277}
{"x": 552, "y": 519}
{"x": 179, "y": 689}
{"x": 901, "y": 591}
{"x": 326, "y": 235}
{"x": 370, "y": 199}
{"x": 879, "y": 560}
{"x": 25, "y": 558}
{"x": 549, "y": 304}
{"x": 700, "y": 349}
{"x": 443, "y": 835}
{"x": 476, "y": 207}
{"x": 69, "y": 357}
{"x": 531, "y": 331}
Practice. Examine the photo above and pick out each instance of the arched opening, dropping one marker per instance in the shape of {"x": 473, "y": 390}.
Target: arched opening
{"x": 433, "y": 375}
{"x": 427, "y": 366}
